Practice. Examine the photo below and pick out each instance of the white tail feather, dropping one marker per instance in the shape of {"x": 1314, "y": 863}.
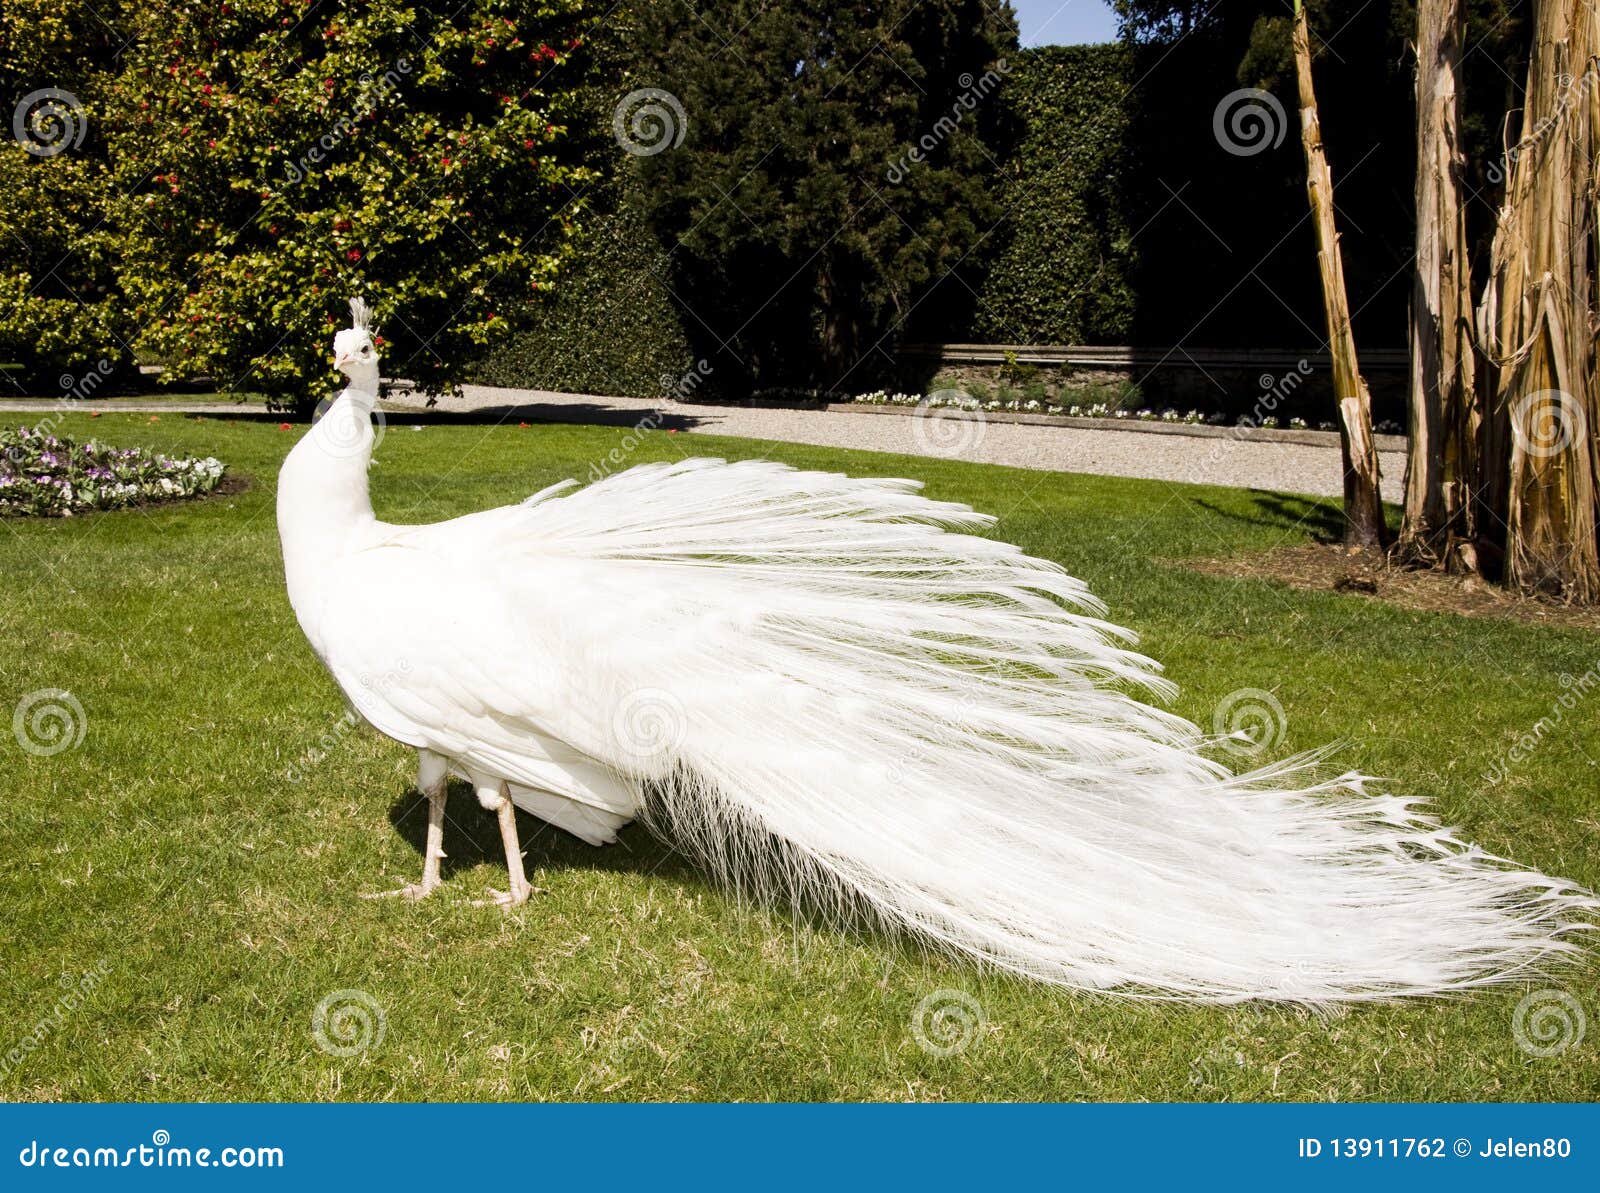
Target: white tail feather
{"x": 942, "y": 729}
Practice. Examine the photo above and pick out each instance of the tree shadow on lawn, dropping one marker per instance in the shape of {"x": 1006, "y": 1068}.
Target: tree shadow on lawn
{"x": 577, "y": 414}
{"x": 1318, "y": 516}
{"x": 584, "y": 414}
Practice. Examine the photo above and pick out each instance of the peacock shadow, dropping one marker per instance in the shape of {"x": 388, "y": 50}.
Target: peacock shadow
{"x": 472, "y": 838}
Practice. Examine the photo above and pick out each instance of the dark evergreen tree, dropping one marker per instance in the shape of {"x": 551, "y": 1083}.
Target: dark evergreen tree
{"x": 830, "y": 185}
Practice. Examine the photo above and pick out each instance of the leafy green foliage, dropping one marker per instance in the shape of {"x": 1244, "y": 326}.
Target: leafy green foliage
{"x": 609, "y": 325}
{"x": 271, "y": 166}
{"x": 831, "y": 174}
{"x": 1224, "y": 249}
{"x": 253, "y": 164}
{"x": 59, "y": 304}
{"x": 1060, "y": 264}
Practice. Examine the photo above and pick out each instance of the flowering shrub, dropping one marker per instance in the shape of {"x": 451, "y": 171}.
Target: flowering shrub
{"x": 54, "y": 477}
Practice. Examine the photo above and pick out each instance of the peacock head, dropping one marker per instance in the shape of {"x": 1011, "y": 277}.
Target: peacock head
{"x": 355, "y": 352}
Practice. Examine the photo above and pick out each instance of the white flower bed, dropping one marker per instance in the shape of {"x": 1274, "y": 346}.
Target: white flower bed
{"x": 959, "y": 401}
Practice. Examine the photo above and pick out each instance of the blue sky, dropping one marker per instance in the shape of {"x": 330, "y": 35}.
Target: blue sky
{"x": 1065, "y": 22}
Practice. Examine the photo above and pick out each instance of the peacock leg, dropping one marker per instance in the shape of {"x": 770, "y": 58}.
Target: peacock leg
{"x": 433, "y": 778}
{"x": 497, "y": 798}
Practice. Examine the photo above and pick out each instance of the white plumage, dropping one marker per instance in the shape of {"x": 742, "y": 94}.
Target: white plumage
{"x": 821, "y": 686}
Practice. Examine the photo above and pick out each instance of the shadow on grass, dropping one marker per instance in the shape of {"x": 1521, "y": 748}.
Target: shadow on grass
{"x": 1319, "y": 516}
{"x": 472, "y": 838}
{"x": 585, "y": 414}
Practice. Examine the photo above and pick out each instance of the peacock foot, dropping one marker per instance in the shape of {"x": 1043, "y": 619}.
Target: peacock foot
{"x": 515, "y": 897}
{"x": 412, "y": 891}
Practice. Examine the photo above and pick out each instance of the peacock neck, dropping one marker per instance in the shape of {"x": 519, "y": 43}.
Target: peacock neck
{"x": 324, "y": 507}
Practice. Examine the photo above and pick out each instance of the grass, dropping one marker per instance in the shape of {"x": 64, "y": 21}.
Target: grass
{"x": 216, "y": 897}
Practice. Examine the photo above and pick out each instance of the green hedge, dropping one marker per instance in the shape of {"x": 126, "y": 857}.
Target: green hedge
{"x": 1060, "y": 271}
{"x": 1062, "y": 257}
{"x": 610, "y": 326}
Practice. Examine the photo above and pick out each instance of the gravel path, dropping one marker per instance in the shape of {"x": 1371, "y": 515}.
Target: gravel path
{"x": 1283, "y": 467}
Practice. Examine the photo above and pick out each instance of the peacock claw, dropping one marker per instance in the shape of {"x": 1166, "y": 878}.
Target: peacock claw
{"x": 412, "y": 891}
{"x": 506, "y": 899}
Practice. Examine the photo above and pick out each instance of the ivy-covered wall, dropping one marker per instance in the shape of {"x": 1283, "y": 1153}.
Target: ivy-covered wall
{"x": 610, "y": 325}
{"x": 1059, "y": 268}
{"x": 1125, "y": 219}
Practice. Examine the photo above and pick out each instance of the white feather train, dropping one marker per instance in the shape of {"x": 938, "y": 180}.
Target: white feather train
{"x": 930, "y": 721}
{"x": 929, "y": 724}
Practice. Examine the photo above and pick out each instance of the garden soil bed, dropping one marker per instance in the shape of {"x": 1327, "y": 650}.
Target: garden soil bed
{"x": 1329, "y": 567}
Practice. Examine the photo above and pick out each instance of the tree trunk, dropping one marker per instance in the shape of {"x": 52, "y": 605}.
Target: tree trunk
{"x": 1443, "y": 467}
{"x": 1363, "y": 507}
{"x": 1537, "y": 319}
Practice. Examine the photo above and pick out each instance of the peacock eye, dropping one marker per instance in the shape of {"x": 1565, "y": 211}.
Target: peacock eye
{"x": 366, "y": 350}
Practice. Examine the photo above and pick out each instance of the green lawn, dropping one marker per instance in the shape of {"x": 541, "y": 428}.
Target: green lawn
{"x": 214, "y": 898}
